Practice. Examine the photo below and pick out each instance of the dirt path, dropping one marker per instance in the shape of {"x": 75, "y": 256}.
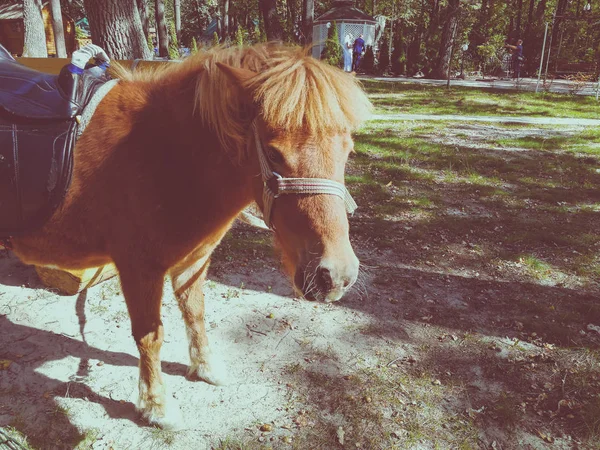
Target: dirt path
{"x": 524, "y": 84}
{"x": 493, "y": 119}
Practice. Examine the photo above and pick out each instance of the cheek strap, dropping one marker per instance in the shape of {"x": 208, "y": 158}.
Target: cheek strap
{"x": 274, "y": 185}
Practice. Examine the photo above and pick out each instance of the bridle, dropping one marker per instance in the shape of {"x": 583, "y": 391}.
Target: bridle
{"x": 274, "y": 185}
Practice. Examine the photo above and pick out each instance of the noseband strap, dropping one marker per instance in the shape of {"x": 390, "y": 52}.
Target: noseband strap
{"x": 274, "y": 185}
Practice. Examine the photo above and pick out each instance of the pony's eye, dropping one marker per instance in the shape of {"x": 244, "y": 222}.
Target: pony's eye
{"x": 274, "y": 155}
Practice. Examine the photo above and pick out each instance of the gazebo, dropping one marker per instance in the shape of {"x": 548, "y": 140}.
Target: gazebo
{"x": 349, "y": 20}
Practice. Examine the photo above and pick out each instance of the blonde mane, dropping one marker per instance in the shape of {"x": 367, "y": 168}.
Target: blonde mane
{"x": 293, "y": 91}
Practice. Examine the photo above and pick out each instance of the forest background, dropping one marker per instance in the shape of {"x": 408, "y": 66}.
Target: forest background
{"x": 426, "y": 36}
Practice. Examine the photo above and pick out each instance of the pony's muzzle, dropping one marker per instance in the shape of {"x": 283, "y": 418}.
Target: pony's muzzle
{"x": 329, "y": 281}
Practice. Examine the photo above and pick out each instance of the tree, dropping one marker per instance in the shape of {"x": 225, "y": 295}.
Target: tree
{"x": 177, "y": 14}
{"x": 35, "y": 35}
{"x": 173, "y": 44}
{"x": 195, "y": 17}
{"x": 383, "y": 64}
{"x": 308, "y": 8}
{"x": 58, "y": 28}
{"x": 225, "y": 19}
{"x": 161, "y": 28}
{"x": 368, "y": 62}
{"x": 239, "y": 36}
{"x": 215, "y": 40}
{"x": 397, "y": 58}
{"x": 442, "y": 66}
{"x": 273, "y": 28}
{"x": 142, "y": 6}
{"x": 117, "y": 28}
{"x": 332, "y": 53}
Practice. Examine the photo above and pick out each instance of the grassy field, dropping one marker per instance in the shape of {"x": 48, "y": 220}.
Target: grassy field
{"x": 398, "y": 97}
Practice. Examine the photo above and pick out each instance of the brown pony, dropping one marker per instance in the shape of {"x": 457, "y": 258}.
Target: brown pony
{"x": 169, "y": 160}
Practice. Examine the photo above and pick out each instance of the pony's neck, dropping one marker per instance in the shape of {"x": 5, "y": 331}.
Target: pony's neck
{"x": 211, "y": 172}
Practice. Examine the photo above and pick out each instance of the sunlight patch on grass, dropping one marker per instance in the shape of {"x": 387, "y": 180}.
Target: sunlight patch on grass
{"x": 395, "y": 97}
{"x": 477, "y": 178}
{"x": 539, "y": 182}
{"x": 536, "y": 268}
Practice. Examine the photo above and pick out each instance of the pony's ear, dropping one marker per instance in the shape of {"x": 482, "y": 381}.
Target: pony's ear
{"x": 238, "y": 76}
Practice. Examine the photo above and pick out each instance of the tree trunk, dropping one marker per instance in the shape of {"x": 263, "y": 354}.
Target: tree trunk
{"x": 561, "y": 8}
{"x": 59, "y": 31}
{"x": 268, "y": 8}
{"x": 440, "y": 71}
{"x": 307, "y": 20}
{"x": 161, "y": 29}
{"x": 199, "y": 15}
{"x": 292, "y": 18}
{"x": 142, "y": 7}
{"x": 413, "y": 51}
{"x": 177, "y": 11}
{"x": 519, "y": 16}
{"x": 529, "y": 18}
{"x": 117, "y": 28}
{"x": 35, "y": 35}
{"x": 225, "y": 16}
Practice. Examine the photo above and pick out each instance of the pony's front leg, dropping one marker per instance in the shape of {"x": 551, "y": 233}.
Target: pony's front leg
{"x": 143, "y": 294}
{"x": 188, "y": 280}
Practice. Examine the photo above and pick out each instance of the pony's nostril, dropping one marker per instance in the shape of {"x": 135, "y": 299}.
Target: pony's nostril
{"x": 324, "y": 279}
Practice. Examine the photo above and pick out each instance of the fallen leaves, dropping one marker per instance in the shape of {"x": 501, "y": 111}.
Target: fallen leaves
{"x": 545, "y": 437}
{"x": 5, "y": 364}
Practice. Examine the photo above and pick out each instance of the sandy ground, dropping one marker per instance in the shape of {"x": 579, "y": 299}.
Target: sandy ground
{"x": 73, "y": 367}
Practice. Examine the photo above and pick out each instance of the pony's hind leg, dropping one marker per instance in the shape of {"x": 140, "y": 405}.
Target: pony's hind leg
{"x": 188, "y": 279}
{"x": 143, "y": 294}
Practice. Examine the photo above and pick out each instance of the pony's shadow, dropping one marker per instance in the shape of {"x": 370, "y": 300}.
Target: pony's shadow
{"x": 14, "y": 273}
{"x": 28, "y": 395}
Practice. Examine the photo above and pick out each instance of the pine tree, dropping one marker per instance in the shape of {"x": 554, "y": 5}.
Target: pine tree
{"x": 194, "y": 46}
{"x": 253, "y": 35}
{"x": 384, "y": 55}
{"x": 332, "y": 53}
{"x": 173, "y": 44}
{"x": 398, "y": 59}
{"x": 239, "y": 36}
{"x": 368, "y": 61}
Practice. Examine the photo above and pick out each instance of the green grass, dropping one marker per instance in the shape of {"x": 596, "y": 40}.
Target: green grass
{"x": 408, "y": 98}
{"x": 453, "y": 182}
{"x": 536, "y": 267}
{"x": 12, "y": 438}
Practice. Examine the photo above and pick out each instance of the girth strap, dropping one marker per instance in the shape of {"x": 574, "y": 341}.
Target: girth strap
{"x": 276, "y": 185}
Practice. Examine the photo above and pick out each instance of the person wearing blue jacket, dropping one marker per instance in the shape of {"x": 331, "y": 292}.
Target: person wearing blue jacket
{"x": 357, "y": 51}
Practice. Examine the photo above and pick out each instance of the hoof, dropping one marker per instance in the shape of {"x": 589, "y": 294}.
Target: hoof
{"x": 212, "y": 371}
{"x": 168, "y": 418}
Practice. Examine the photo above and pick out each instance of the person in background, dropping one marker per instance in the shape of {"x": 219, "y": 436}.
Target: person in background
{"x": 357, "y": 50}
{"x": 517, "y": 57}
{"x": 347, "y": 47}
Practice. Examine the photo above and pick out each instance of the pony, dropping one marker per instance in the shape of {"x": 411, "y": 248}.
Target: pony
{"x": 169, "y": 160}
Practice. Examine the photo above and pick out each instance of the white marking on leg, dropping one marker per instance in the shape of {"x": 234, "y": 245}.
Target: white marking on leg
{"x": 157, "y": 410}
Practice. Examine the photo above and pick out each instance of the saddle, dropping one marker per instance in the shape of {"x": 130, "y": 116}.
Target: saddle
{"x": 38, "y": 129}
